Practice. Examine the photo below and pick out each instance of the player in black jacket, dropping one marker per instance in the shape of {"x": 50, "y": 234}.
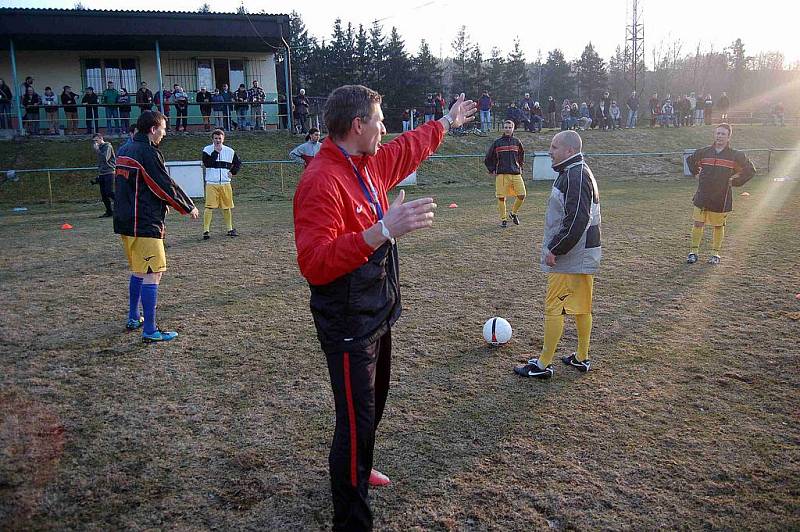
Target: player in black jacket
{"x": 505, "y": 160}
{"x": 718, "y": 167}
{"x": 143, "y": 192}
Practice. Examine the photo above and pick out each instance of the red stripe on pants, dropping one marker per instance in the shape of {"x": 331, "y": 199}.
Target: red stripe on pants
{"x": 351, "y": 414}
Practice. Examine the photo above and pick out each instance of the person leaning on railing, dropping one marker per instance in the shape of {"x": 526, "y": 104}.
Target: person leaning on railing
{"x": 124, "y": 102}
{"x": 204, "y": 99}
{"x": 70, "y": 102}
{"x": 50, "y": 103}
{"x": 31, "y": 102}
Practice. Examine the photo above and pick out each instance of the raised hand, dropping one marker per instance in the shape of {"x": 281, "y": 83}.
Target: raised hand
{"x": 462, "y": 111}
{"x": 402, "y": 218}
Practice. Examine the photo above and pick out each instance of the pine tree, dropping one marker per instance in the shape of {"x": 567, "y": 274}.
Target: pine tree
{"x": 515, "y": 74}
{"x": 426, "y": 75}
{"x": 303, "y": 48}
{"x": 397, "y": 74}
{"x": 496, "y": 67}
{"x": 362, "y": 59}
{"x": 377, "y": 54}
{"x": 478, "y": 75}
{"x": 462, "y": 48}
{"x": 557, "y": 78}
{"x": 592, "y": 77}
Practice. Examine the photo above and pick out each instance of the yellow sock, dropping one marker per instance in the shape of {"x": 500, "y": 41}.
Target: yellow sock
{"x": 553, "y": 328}
{"x": 584, "y": 325}
{"x": 228, "y": 215}
{"x": 716, "y": 239}
{"x": 501, "y": 209}
{"x": 517, "y": 205}
{"x": 207, "y": 215}
{"x": 697, "y": 236}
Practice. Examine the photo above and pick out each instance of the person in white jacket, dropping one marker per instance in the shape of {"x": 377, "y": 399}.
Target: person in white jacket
{"x": 306, "y": 152}
{"x": 220, "y": 163}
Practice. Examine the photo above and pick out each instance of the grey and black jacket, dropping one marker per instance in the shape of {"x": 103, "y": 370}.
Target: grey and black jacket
{"x": 572, "y": 220}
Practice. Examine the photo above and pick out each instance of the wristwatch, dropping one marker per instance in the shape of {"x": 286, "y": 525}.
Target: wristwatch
{"x": 449, "y": 120}
{"x": 385, "y": 231}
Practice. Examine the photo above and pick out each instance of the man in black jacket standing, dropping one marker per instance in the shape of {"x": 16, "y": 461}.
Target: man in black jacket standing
{"x": 718, "y": 167}
{"x": 106, "y": 164}
{"x": 505, "y": 160}
{"x": 144, "y": 191}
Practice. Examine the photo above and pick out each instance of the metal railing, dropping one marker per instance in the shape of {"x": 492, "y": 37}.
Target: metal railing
{"x": 277, "y": 178}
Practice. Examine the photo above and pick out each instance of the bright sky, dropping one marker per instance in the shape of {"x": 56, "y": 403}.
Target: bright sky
{"x": 763, "y": 26}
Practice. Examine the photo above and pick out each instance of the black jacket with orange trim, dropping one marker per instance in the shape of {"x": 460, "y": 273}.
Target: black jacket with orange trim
{"x": 505, "y": 156}
{"x": 144, "y": 190}
{"x": 714, "y": 172}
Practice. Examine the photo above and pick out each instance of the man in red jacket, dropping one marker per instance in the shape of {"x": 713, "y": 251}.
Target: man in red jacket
{"x": 345, "y": 233}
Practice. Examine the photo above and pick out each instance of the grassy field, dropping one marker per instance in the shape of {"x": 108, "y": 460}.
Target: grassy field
{"x": 688, "y": 419}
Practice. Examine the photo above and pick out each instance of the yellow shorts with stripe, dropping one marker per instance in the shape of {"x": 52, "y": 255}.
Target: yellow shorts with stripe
{"x": 509, "y": 185}
{"x": 568, "y": 293}
{"x": 219, "y": 196}
{"x": 145, "y": 255}
{"x": 715, "y": 219}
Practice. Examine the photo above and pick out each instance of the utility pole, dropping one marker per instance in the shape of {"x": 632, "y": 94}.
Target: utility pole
{"x": 634, "y": 45}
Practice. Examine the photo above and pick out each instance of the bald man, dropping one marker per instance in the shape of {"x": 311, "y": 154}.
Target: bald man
{"x": 570, "y": 255}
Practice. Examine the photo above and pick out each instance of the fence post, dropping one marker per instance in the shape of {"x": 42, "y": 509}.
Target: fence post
{"x": 50, "y": 188}
{"x": 769, "y": 159}
{"x": 283, "y": 192}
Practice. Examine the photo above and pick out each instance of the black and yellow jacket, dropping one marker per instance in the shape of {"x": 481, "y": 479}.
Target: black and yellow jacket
{"x": 714, "y": 171}
{"x": 505, "y": 156}
{"x": 143, "y": 190}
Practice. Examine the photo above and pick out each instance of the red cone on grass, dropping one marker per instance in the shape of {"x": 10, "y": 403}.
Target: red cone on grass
{"x": 452, "y": 206}
{"x": 66, "y": 226}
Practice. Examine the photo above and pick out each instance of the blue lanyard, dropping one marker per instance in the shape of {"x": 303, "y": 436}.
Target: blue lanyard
{"x": 370, "y": 193}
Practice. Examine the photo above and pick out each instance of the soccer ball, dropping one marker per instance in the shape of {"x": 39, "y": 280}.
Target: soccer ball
{"x": 496, "y": 331}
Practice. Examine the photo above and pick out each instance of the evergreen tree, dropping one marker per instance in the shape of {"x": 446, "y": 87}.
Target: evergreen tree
{"x": 363, "y": 63}
{"x": 462, "y": 48}
{"x": 515, "y": 74}
{"x": 495, "y": 69}
{"x": 303, "y": 48}
{"x": 426, "y": 75}
{"x": 397, "y": 80}
{"x": 557, "y": 79}
{"x": 592, "y": 77}
{"x": 377, "y": 54}
{"x": 478, "y": 75}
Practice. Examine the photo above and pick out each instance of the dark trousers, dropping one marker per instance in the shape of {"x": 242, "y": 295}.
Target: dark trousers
{"x": 360, "y": 383}
{"x": 106, "y": 183}
{"x": 180, "y": 122}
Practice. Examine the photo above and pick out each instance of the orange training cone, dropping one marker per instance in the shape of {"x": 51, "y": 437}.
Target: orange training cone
{"x": 66, "y": 226}
{"x": 452, "y": 206}
{"x": 744, "y": 194}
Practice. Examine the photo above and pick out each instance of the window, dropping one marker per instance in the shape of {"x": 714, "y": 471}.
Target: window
{"x": 205, "y": 74}
{"x": 237, "y": 73}
{"x": 122, "y": 71}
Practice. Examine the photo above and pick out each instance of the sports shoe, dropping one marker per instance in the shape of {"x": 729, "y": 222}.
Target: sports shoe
{"x": 532, "y": 369}
{"x": 206, "y": 236}
{"x": 132, "y": 324}
{"x": 692, "y": 258}
{"x": 713, "y": 259}
{"x": 159, "y": 336}
{"x": 232, "y": 233}
{"x": 504, "y": 224}
{"x": 378, "y": 479}
{"x": 581, "y": 365}
{"x": 515, "y": 218}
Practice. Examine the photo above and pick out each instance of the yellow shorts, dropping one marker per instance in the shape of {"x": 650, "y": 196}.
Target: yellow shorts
{"x": 509, "y": 185}
{"x": 145, "y": 255}
{"x": 716, "y": 219}
{"x": 219, "y": 196}
{"x": 568, "y": 293}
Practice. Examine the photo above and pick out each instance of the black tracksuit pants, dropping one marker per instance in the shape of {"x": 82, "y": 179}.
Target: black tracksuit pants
{"x": 106, "y": 183}
{"x": 360, "y": 382}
